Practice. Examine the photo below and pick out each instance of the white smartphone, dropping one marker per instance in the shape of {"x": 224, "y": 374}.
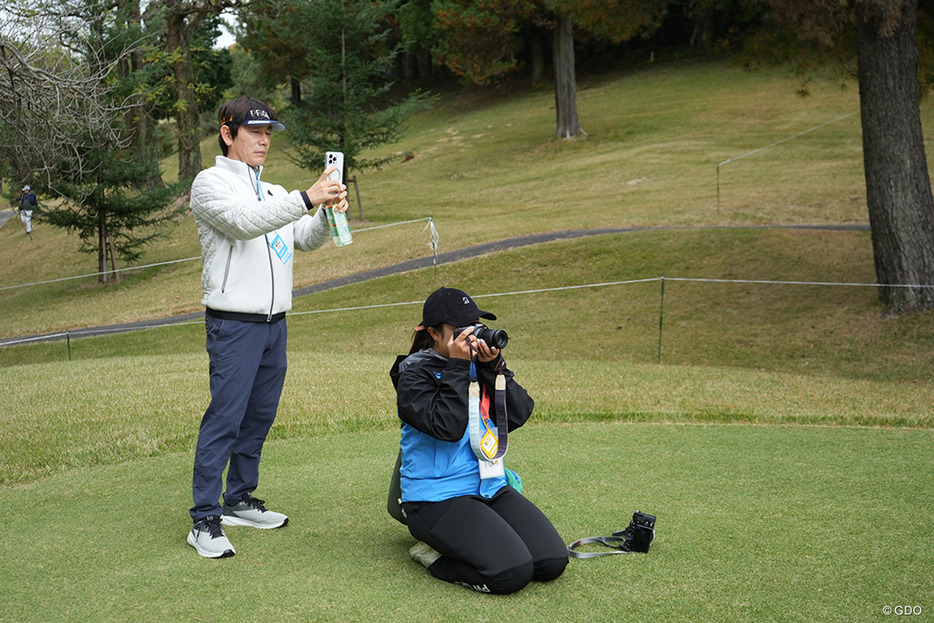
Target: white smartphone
{"x": 340, "y": 228}
{"x": 335, "y": 158}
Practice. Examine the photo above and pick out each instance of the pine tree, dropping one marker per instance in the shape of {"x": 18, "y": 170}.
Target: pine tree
{"x": 340, "y": 92}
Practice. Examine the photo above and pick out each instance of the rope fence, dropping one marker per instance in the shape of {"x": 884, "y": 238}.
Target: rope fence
{"x": 196, "y": 318}
{"x": 770, "y": 145}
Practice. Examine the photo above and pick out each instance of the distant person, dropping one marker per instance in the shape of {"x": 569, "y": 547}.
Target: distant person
{"x": 26, "y": 203}
{"x": 473, "y": 528}
{"x": 248, "y": 231}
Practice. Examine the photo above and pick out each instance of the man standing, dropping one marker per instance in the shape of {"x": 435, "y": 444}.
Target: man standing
{"x": 248, "y": 231}
{"x": 27, "y": 202}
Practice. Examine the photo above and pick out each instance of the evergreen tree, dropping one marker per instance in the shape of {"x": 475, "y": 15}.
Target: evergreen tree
{"x": 83, "y": 141}
{"x": 340, "y": 94}
{"x": 111, "y": 205}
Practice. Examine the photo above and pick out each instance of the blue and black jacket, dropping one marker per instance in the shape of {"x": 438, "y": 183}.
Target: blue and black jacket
{"x": 432, "y": 400}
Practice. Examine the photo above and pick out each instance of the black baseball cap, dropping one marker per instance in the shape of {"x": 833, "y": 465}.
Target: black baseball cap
{"x": 451, "y": 306}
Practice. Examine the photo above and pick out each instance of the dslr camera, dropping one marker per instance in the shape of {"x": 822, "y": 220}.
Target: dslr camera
{"x": 495, "y": 338}
{"x": 640, "y": 533}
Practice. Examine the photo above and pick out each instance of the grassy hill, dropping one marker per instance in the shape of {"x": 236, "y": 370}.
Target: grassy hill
{"x": 720, "y": 362}
{"x": 701, "y": 282}
{"x": 485, "y": 168}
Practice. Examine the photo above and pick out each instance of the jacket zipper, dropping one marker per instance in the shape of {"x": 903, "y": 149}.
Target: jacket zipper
{"x": 272, "y": 280}
{"x": 272, "y": 268}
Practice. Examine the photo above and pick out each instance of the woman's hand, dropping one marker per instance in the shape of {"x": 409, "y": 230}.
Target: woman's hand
{"x": 486, "y": 353}
{"x": 466, "y": 345}
{"x": 460, "y": 346}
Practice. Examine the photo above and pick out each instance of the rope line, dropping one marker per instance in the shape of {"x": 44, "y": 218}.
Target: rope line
{"x": 98, "y": 274}
{"x": 427, "y": 218}
{"x": 135, "y": 327}
{"x": 786, "y": 139}
{"x": 803, "y": 283}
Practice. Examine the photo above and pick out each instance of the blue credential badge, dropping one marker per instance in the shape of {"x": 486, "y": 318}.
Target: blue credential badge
{"x": 282, "y": 250}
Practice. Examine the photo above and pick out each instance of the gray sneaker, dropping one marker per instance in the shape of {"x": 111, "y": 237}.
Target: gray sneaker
{"x": 250, "y": 512}
{"x": 424, "y": 553}
{"x": 209, "y": 540}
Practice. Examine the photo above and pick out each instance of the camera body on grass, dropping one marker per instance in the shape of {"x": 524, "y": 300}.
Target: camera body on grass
{"x": 640, "y": 533}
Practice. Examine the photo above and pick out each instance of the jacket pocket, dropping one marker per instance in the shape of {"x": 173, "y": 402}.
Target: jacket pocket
{"x": 227, "y": 269}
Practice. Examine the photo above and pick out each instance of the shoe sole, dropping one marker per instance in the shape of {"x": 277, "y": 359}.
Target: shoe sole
{"x": 230, "y": 520}
{"x": 227, "y": 553}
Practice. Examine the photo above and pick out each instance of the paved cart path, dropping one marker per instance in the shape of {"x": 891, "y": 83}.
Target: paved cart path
{"x": 423, "y": 262}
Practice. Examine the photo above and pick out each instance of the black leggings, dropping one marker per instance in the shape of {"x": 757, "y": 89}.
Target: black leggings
{"x": 495, "y": 545}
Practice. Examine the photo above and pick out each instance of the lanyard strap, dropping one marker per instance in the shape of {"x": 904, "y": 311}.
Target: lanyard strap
{"x": 638, "y": 537}
{"x": 487, "y": 440}
{"x": 259, "y": 186}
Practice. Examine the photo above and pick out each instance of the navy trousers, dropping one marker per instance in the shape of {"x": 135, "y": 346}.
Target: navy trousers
{"x": 247, "y": 371}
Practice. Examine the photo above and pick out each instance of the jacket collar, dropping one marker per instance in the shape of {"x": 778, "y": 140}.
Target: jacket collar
{"x": 235, "y": 166}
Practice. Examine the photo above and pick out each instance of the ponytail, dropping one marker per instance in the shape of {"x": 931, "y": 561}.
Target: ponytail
{"x": 422, "y": 339}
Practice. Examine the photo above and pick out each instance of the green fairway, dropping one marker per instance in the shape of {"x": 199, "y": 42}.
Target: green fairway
{"x": 755, "y": 523}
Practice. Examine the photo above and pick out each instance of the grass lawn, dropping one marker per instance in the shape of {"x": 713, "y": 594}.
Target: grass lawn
{"x": 755, "y": 523}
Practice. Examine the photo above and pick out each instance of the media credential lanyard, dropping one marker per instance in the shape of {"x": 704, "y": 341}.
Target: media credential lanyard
{"x": 277, "y": 244}
{"x": 488, "y": 442}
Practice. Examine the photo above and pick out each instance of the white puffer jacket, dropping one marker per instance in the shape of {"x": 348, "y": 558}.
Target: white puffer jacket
{"x": 247, "y": 244}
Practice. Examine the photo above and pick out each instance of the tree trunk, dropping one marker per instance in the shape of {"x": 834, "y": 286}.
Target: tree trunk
{"x": 101, "y": 252}
{"x": 702, "y": 37}
{"x": 898, "y": 188}
{"x": 538, "y": 46}
{"x": 423, "y": 63}
{"x": 186, "y": 108}
{"x": 295, "y": 86}
{"x": 113, "y": 256}
{"x": 565, "y": 81}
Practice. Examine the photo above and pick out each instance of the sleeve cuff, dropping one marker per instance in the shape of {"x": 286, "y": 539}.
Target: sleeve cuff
{"x": 308, "y": 205}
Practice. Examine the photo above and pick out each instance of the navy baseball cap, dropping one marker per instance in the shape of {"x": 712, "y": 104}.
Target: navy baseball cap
{"x": 260, "y": 116}
{"x": 249, "y": 112}
{"x": 451, "y": 306}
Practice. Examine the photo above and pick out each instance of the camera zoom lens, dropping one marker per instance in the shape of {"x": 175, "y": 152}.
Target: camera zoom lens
{"x": 497, "y": 338}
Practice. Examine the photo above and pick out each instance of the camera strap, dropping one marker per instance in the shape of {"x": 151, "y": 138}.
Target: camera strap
{"x": 618, "y": 543}
{"x": 638, "y": 537}
{"x": 487, "y": 440}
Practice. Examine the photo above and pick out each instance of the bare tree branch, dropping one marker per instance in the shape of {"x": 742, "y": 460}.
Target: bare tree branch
{"x": 55, "y": 102}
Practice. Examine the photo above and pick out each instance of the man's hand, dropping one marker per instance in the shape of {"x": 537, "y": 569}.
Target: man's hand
{"x": 329, "y": 192}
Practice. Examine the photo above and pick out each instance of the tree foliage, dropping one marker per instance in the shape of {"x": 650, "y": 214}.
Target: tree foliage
{"x": 479, "y": 39}
{"x": 83, "y": 148}
{"x": 342, "y": 100}
{"x": 614, "y": 21}
{"x": 51, "y": 83}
